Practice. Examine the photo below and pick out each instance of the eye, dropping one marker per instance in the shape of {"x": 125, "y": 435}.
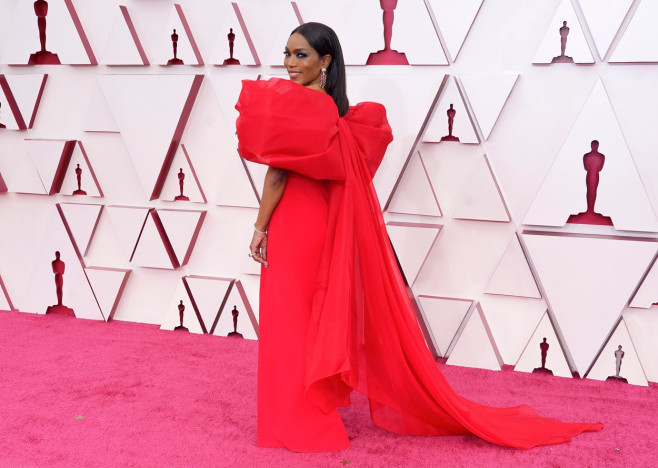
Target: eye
{"x": 301, "y": 55}
{"x": 286, "y": 53}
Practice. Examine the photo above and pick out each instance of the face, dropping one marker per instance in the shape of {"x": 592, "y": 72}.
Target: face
{"x": 303, "y": 62}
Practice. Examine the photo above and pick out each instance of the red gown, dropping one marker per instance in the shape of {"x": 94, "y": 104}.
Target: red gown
{"x": 334, "y": 312}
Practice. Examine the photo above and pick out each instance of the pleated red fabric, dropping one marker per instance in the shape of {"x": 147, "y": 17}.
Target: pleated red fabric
{"x": 334, "y": 311}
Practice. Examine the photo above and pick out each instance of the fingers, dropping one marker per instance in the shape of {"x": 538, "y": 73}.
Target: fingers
{"x": 258, "y": 258}
{"x": 259, "y": 254}
{"x": 258, "y": 248}
{"x": 263, "y": 249}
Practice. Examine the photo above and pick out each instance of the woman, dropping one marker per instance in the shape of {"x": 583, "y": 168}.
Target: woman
{"x": 334, "y": 311}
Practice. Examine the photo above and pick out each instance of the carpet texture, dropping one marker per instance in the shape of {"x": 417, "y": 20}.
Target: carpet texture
{"x": 80, "y": 393}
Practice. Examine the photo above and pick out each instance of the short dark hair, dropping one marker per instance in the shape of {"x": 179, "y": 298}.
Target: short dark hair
{"x": 325, "y": 41}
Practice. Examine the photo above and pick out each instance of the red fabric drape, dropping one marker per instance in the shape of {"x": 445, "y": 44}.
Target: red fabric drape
{"x": 363, "y": 333}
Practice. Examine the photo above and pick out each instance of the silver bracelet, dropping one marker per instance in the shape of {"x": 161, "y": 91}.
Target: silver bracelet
{"x": 259, "y": 231}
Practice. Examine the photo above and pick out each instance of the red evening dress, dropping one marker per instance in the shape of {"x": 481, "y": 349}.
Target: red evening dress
{"x": 334, "y": 311}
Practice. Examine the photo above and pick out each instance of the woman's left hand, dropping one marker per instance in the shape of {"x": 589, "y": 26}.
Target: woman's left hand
{"x": 258, "y": 248}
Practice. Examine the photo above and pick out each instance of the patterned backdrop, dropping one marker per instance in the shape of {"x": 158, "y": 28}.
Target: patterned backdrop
{"x": 122, "y": 157}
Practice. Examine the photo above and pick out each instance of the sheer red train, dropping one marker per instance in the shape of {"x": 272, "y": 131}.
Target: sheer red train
{"x": 334, "y": 311}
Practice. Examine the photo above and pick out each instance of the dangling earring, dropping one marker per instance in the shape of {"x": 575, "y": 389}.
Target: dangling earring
{"x": 323, "y": 78}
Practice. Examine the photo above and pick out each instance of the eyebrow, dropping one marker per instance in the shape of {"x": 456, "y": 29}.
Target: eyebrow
{"x": 297, "y": 50}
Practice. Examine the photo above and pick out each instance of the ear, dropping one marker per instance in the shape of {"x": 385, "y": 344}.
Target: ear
{"x": 325, "y": 60}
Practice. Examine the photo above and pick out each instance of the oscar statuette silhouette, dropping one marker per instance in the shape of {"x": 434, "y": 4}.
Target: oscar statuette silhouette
{"x": 593, "y": 163}
{"x": 174, "y": 43}
{"x": 43, "y": 56}
{"x": 543, "y": 348}
{"x": 235, "y": 333}
{"x": 619, "y": 355}
{"x": 181, "y": 312}
{"x": 78, "y": 175}
{"x": 181, "y": 182}
{"x": 59, "y": 267}
{"x": 451, "y": 112}
{"x": 231, "y": 40}
{"x": 562, "y": 58}
{"x": 387, "y": 56}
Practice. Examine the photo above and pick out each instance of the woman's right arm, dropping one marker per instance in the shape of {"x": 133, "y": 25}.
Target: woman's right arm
{"x": 275, "y": 183}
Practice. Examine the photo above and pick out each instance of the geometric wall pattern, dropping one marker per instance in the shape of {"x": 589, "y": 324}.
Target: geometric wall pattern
{"x": 125, "y": 162}
{"x": 564, "y": 31}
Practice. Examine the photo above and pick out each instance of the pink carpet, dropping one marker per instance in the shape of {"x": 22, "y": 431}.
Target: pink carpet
{"x": 79, "y": 393}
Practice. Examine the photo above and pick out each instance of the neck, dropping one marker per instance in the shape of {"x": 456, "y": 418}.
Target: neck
{"x": 317, "y": 87}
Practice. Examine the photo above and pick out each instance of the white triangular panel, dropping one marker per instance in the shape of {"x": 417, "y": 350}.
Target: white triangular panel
{"x": 512, "y": 321}
{"x": 408, "y": 100}
{"x": 208, "y": 294}
{"x": 487, "y": 94}
{"x": 4, "y": 305}
{"x": 5, "y": 300}
{"x": 227, "y": 88}
{"x": 41, "y": 291}
{"x": 87, "y": 178}
{"x": 62, "y": 35}
{"x": 363, "y": 30}
{"x": 236, "y": 188}
{"x": 286, "y": 21}
{"x": 171, "y": 317}
{"x": 225, "y": 322}
{"x": 587, "y": 282}
{"x": 82, "y": 221}
{"x": 250, "y": 267}
{"x": 187, "y": 49}
{"x": 415, "y": 194}
{"x": 620, "y": 194}
{"x": 181, "y": 228}
{"x": 148, "y": 110}
{"x": 438, "y": 124}
{"x": 647, "y": 293}
{"x": 455, "y": 21}
{"x": 481, "y": 199}
{"x": 47, "y": 156}
{"x": 530, "y": 358}
{"x": 128, "y": 222}
{"x": 107, "y": 284}
{"x": 191, "y": 187}
{"x": 604, "y": 18}
{"x": 414, "y": 34}
{"x": 4, "y": 297}
{"x": 151, "y": 251}
{"x": 443, "y": 316}
{"x": 7, "y": 117}
{"x": 27, "y": 90}
{"x": 643, "y": 328}
{"x": 242, "y": 44}
{"x": 99, "y": 117}
{"x": 640, "y": 40}
{"x": 251, "y": 285}
{"x": 512, "y": 276}
{"x": 123, "y": 46}
{"x": 460, "y": 264}
{"x": 412, "y": 243}
{"x": 257, "y": 174}
{"x": 576, "y": 46}
{"x": 475, "y": 346}
{"x": 606, "y": 365}
{"x": 237, "y": 191}
{"x": 25, "y": 178}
